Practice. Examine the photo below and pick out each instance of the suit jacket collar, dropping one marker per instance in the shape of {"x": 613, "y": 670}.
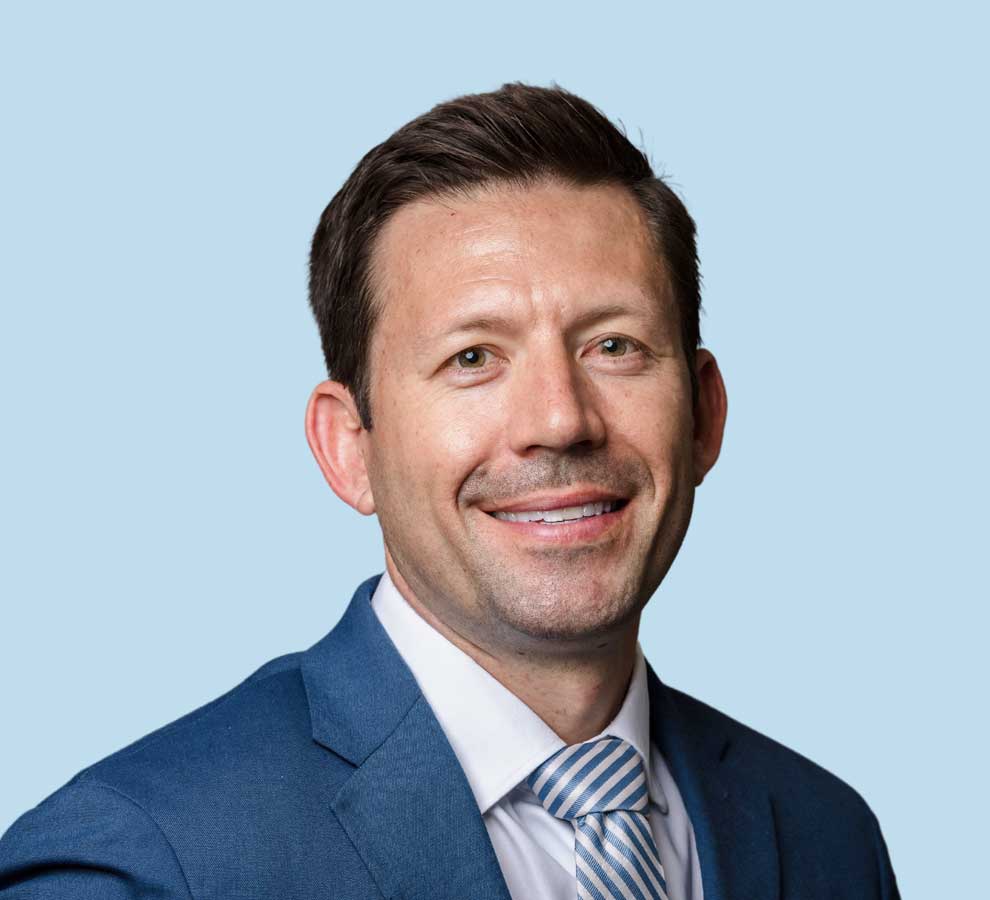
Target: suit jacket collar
{"x": 411, "y": 815}
{"x": 407, "y": 807}
{"x": 730, "y": 810}
{"x": 357, "y": 684}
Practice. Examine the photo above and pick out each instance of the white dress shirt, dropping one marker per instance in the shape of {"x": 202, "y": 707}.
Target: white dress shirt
{"x": 499, "y": 740}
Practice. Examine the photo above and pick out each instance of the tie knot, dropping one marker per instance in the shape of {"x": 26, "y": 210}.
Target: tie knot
{"x": 596, "y": 776}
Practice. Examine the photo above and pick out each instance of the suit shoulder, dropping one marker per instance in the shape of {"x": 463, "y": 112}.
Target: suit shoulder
{"x": 266, "y": 715}
{"x": 161, "y": 811}
{"x": 89, "y": 837}
{"x": 788, "y": 774}
{"x": 811, "y": 806}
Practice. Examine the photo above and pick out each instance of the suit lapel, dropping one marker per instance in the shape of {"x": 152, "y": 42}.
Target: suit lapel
{"x": 407, "y": 807}
{"x": 409, "y": 810}
{"x": 414, "y": 820}
{"x": 730, "y": 810}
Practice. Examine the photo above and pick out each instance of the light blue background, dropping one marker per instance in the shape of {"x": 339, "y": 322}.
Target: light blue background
{"x": 165, "y": 530}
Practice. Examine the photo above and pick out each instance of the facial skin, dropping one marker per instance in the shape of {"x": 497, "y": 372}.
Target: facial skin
{"x": 527, "y": 355}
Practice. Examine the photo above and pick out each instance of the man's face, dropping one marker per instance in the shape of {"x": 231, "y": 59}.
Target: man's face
{"x": 527, "y": 360}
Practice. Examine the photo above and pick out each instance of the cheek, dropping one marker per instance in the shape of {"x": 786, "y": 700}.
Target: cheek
{"x": 655, "y": 426}
{"x": 433, "y": 443}
{"x": 464, "y": 443}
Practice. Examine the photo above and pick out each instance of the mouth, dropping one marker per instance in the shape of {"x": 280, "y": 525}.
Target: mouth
{"x": 561, "y": 515}
{"x": 574, "y": 524}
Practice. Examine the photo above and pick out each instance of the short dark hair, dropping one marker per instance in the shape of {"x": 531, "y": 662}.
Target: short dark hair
{"x": 520, "y": 135}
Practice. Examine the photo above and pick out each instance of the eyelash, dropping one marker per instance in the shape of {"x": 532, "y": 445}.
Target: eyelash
{"x": 632, "y": 345}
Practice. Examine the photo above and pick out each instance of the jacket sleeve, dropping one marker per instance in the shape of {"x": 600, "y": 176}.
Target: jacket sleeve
{"x": 88, "y": 840}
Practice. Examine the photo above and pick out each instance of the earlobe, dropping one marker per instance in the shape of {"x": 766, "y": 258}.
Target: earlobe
{"x": 709, "y": 415}
{"x": 365, "y": 503}
{"x": 335, "y": 436}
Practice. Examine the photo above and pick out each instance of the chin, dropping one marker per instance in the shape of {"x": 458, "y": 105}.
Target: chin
{"x": 551, "y": 616}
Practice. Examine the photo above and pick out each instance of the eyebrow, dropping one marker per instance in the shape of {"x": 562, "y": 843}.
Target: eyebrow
{"x": 500, "y": 323}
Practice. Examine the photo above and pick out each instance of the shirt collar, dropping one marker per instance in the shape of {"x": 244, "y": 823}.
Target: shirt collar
{"x": 498, "y": 739}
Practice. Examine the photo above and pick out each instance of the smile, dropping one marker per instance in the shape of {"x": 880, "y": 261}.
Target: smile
{"x": 564, "y": 514}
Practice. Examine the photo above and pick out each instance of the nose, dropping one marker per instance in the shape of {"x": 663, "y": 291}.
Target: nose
{"x": 554, "y": 405}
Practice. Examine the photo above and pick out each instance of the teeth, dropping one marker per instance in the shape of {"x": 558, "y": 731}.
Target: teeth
{"x": 567, "y": 514}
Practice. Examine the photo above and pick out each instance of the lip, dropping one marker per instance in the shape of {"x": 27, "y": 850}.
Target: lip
{"x": 554, "y": 501}
{"x": 577, "y": 531}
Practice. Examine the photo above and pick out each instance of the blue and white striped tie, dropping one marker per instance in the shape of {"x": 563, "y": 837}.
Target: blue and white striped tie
{"x": 600, "y": 786}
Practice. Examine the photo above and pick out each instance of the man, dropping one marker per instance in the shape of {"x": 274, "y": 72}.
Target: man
{"x": 508, "y": 301}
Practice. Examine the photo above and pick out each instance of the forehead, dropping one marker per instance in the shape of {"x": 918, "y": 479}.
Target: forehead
{"x": 540, "y": 248}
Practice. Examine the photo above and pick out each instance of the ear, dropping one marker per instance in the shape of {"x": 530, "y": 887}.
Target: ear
{"x": 709, "y": 414}
{"x": 336, "y": 437}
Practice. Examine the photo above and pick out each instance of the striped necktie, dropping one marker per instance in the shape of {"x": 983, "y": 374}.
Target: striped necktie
{"x": 600, "y": 786}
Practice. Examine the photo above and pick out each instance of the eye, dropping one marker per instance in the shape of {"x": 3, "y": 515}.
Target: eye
{"x": 472, "y": 358}
{"x": 615, "y": 346}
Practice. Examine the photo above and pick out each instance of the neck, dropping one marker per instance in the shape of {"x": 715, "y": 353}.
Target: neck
{"x": 576, "y": 693}
{"x": 577, "y": 698}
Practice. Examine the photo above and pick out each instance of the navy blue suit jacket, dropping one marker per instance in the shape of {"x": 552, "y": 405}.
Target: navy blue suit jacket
{"x": 326, "y": 775}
